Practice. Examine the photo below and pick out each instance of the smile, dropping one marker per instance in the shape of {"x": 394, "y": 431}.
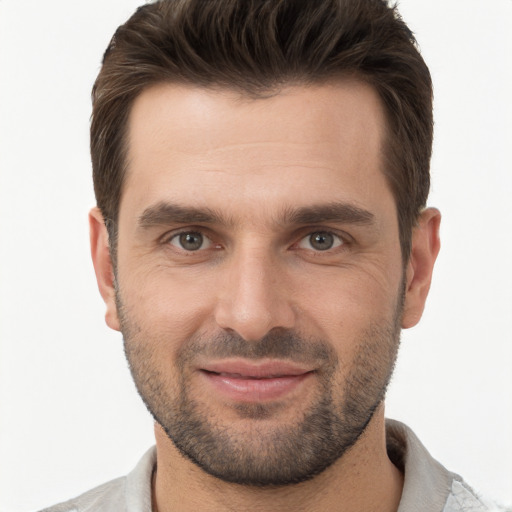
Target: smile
{"x": 245, "y": 382}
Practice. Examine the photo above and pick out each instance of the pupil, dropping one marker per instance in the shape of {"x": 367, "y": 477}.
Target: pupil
{"x": 322, "y": 241}
{"x": 191, "y": 241}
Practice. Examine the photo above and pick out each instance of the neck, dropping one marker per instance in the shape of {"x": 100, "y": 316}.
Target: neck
{"x": 364, "y": 479}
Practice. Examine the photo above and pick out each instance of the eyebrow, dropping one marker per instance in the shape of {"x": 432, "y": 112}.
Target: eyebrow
{"x": 168, "y": 213}
{"x": 332, "y": 212}
{"x": 165, "y": 213}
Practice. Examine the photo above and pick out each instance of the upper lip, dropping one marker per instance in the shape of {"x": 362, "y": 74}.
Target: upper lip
{"x": 264, "y": 369}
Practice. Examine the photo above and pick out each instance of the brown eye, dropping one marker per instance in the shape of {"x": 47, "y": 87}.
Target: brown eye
{"x": 320, "y": 241}
{"x": 190, "y": 241}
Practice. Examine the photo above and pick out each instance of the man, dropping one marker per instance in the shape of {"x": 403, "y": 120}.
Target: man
{"x": 261, "y": 170}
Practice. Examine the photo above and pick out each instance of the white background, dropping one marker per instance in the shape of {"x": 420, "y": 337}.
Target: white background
{"x": 70, "y": 417}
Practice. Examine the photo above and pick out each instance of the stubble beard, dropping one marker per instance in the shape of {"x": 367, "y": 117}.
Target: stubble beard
{"x": 266, "y": 453}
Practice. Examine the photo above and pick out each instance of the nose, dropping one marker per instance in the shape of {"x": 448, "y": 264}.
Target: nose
{"x": 254, "y": 297}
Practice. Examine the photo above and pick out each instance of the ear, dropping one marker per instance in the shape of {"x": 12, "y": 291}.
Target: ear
{"x": 424, "y": 250}
{"x": 102, "y": 262}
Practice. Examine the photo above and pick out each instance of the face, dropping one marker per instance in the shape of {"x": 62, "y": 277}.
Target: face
{"x": 259, "y": 276}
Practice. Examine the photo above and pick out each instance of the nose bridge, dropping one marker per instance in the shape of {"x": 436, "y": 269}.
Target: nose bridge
{"x": 253, "y": 298}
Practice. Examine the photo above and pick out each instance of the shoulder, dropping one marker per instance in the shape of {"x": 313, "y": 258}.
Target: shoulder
{"x": 108, "y": 497}
{"x": 128, "y": 493}
{"x": 104, "y": 498}
{"x": 463, "y": 498}
{"x": 428, "y": 485}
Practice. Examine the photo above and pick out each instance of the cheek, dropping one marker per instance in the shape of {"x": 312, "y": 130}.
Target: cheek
{"x": 167, "y": 304}
{"x": 349, "y": 302}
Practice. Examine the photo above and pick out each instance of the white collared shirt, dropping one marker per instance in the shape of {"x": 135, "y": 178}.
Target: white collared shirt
{"x": 428, "y": 486}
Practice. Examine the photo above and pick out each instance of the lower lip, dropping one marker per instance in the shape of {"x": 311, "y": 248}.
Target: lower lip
{"x": 254, "y": 390}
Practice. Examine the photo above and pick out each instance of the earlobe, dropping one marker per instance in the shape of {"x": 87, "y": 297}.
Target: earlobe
{"x": 424, "y": 250}
{"x": 103, "y": 268}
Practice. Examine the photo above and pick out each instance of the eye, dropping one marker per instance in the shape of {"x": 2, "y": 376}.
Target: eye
{"x": 320, "y": 241}
{"x": 190, "y": 241}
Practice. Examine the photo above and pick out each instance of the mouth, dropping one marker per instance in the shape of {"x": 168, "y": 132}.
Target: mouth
{"x": 242, "y": 381}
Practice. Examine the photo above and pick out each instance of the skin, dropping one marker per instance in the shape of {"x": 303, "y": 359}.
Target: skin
{"x": 252, "y": 161}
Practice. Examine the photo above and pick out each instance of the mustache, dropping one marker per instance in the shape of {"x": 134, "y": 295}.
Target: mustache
{"x": 276, "y": 344}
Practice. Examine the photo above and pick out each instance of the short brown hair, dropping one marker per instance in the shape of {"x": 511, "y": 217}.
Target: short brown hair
{"x": 257, "y": 47}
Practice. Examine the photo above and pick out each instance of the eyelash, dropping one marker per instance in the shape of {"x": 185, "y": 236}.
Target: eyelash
{"x": 167, "y": 239}
{"x": 341, "y": 240}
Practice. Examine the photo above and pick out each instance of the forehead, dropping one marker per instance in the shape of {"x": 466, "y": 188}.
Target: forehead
{"x": 195, "y": 145}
